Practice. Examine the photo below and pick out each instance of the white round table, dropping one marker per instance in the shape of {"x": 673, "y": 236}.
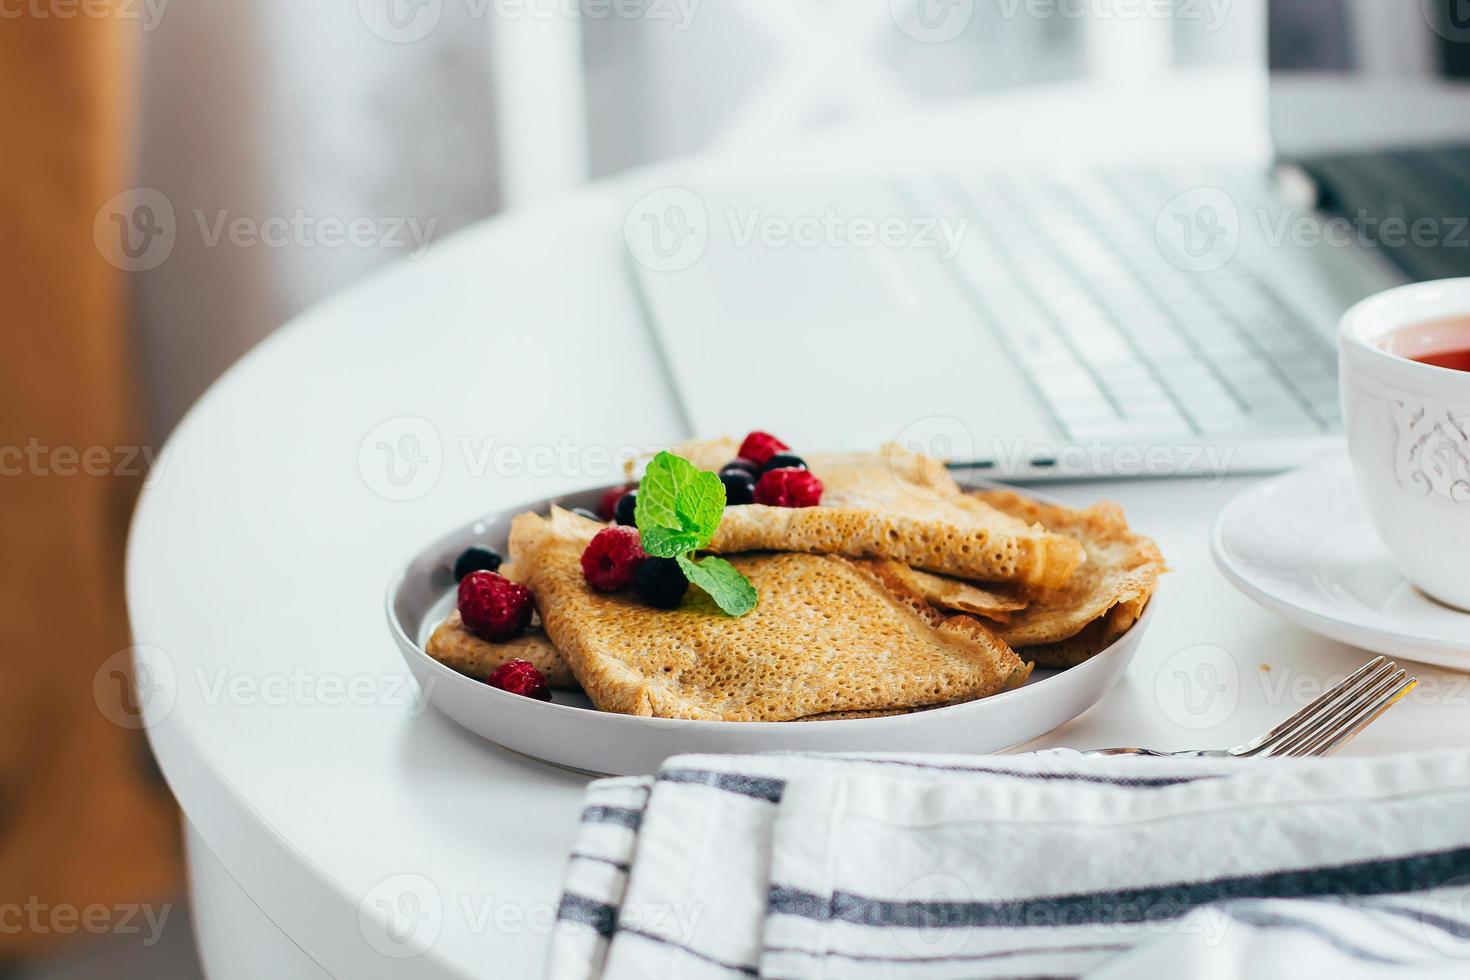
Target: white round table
{"x": 316, "y": 787}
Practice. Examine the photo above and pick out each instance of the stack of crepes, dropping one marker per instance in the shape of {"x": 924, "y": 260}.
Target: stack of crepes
{"x": 901, "y": 591}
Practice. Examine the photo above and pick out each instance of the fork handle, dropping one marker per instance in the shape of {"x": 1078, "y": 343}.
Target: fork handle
{"x": 1150, "y": 753}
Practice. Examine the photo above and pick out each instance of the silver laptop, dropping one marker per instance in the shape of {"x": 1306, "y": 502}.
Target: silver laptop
{"x": 1066, "y": 323}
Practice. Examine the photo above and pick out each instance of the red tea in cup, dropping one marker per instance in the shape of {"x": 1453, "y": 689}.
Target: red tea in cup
{"x": 1442, "y": 343}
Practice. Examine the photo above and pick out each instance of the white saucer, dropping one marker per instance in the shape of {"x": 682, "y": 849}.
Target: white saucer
{"x": 1303, "y": 546}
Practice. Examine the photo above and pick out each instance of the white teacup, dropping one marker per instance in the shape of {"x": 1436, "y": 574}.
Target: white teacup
{"x": 1408, "y": 428}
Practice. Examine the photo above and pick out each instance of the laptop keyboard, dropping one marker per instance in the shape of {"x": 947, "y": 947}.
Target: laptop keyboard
{"x": 1121, "y": 340}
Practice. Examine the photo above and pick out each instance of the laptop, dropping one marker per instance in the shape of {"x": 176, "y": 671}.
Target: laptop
{"x": 1059, "y": 322}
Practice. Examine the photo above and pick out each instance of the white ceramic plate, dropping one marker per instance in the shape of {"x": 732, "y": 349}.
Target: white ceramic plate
{"x": 570, "y": 732}
{"x": 1302, "y": 545}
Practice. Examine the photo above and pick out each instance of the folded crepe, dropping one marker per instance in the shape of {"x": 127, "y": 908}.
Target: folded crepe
{"x": 896, "y": 506}
{"x": 1064, "y": 626}
{"x": 944, "y": 592}
{"x": 826, "y": 639}
{"x": 457, "y": 648}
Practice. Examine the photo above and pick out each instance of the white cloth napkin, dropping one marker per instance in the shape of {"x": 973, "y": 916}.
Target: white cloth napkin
{"x": 1051, "y": 864}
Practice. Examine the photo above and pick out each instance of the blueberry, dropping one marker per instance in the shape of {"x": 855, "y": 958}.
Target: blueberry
{"x": 739, "y": 487}
{"x": 741, "y": 464}
{"x": 627, "y": 506}
{"x": 477, "y": 559}
{"x": 586, "y": 514}
{"x": 660, "y": 582}
{"x": 782, "y": 461}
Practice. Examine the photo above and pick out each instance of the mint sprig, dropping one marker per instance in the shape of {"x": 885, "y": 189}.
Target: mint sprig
{"x": 679, "y": 510}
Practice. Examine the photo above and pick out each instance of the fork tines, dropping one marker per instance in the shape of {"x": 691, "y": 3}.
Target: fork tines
{"x": 1332, "y": 720}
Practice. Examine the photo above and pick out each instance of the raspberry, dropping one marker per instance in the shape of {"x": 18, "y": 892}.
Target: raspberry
{"x": 521, "y": 677}
{"x": 789, "y": 487}
{"x": 608, "y": 506}
{"x": 493, "y": 607}
{"x": 611, "y": 559}
{"x": 759, "y": 447}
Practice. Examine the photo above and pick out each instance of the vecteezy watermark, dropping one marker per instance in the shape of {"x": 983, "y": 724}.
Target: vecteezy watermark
{"x": 36, "y": 458}
{"x": 1297, "y": 688}
{"x": 1199, "y": 229}
{"x": 1212, "y": 13}
{"x": 136, "y": 688}
{"x": 407, "y": 21}
{"x": 1363, "y": 230}
{"x": 669, "y": 229}
{"x": 402, "y": 458}
{"x": 402, "y": 916}
{"x": 832, "y": 229}
{"x": 1095, "y": 458}
{"x": 1450, "y": 19}
{"x": 936, "y": 929}
{"x": 1444, "y": 917}
{"x": 138, "y": 229}
{"x": 39, "y": 918}
{"x": 299, "y": 687}
{"x": 932, "y": 21}
{"x": 302, "y": 230}
{"x": 148, "y": 12}
{"x": 1199, "y": 687}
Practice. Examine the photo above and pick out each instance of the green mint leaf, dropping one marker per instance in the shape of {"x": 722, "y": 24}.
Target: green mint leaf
{"x": 700, "y": 504}
{"x": 725, "y": 583}
{"x": 666, "y": 542}
{"x": 658, "y": 492}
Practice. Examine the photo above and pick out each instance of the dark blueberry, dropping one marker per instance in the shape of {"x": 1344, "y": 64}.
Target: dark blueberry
{"x": 477, "y": 559}
{"x": 583, "y": 512}
{"x": 740, "y": 463}
{"x": 784, "y": 461}
{"x": 627, "y": 506}
{"x": 660, "y": 582}
{"x": 739, "y": 487}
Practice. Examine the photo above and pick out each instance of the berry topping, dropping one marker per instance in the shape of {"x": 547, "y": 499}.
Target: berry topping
{"x": 493, "y": 607}
{"x": 606, "y": 508}
{"x": 660, "y": 582}
{"x": 476, "y": 559}
{"x": 789, "y": 488}
{"x": 521, "y": 677}
{"x": 740, "y": 463}
{"x": 626, "y": 508}
{"x": 784, "y": 461}
{"x": 739, "y": 487}
{"x": 611, "y": 559}
{"x": 761, "y": 446}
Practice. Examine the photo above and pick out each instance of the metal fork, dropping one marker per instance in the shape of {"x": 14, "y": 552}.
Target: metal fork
{"x": 1322, "y": 727}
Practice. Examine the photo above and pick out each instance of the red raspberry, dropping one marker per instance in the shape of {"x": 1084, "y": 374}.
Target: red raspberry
{"x": 493, "y": 607}
{"x": 611, "y": 559}
{"x": 788, "y": 487}
{"x": 608, "y": 506}
{"x": 759, "y": 447}
{"x": 521, "y": 677}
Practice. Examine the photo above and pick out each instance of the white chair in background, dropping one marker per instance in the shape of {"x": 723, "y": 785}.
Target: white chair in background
{"x": 541, "y": 81}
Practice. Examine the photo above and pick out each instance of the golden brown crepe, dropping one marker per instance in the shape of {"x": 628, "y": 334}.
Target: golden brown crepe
{"x": 1064, "y": 626}
{"x": 826, "y": 637}
{"x": 954, "y": 594}
{"x": 456, "y": 647}
{"x": 897, "y": 506}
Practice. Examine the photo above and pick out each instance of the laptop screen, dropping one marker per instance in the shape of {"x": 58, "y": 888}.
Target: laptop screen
{"x": 1371, "y": 98}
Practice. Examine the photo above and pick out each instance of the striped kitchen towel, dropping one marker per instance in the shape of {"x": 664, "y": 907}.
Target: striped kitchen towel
{"x": 1050, "y": 864}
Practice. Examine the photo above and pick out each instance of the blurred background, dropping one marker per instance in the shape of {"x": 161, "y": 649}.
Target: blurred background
{"x": 181, "y": 177}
